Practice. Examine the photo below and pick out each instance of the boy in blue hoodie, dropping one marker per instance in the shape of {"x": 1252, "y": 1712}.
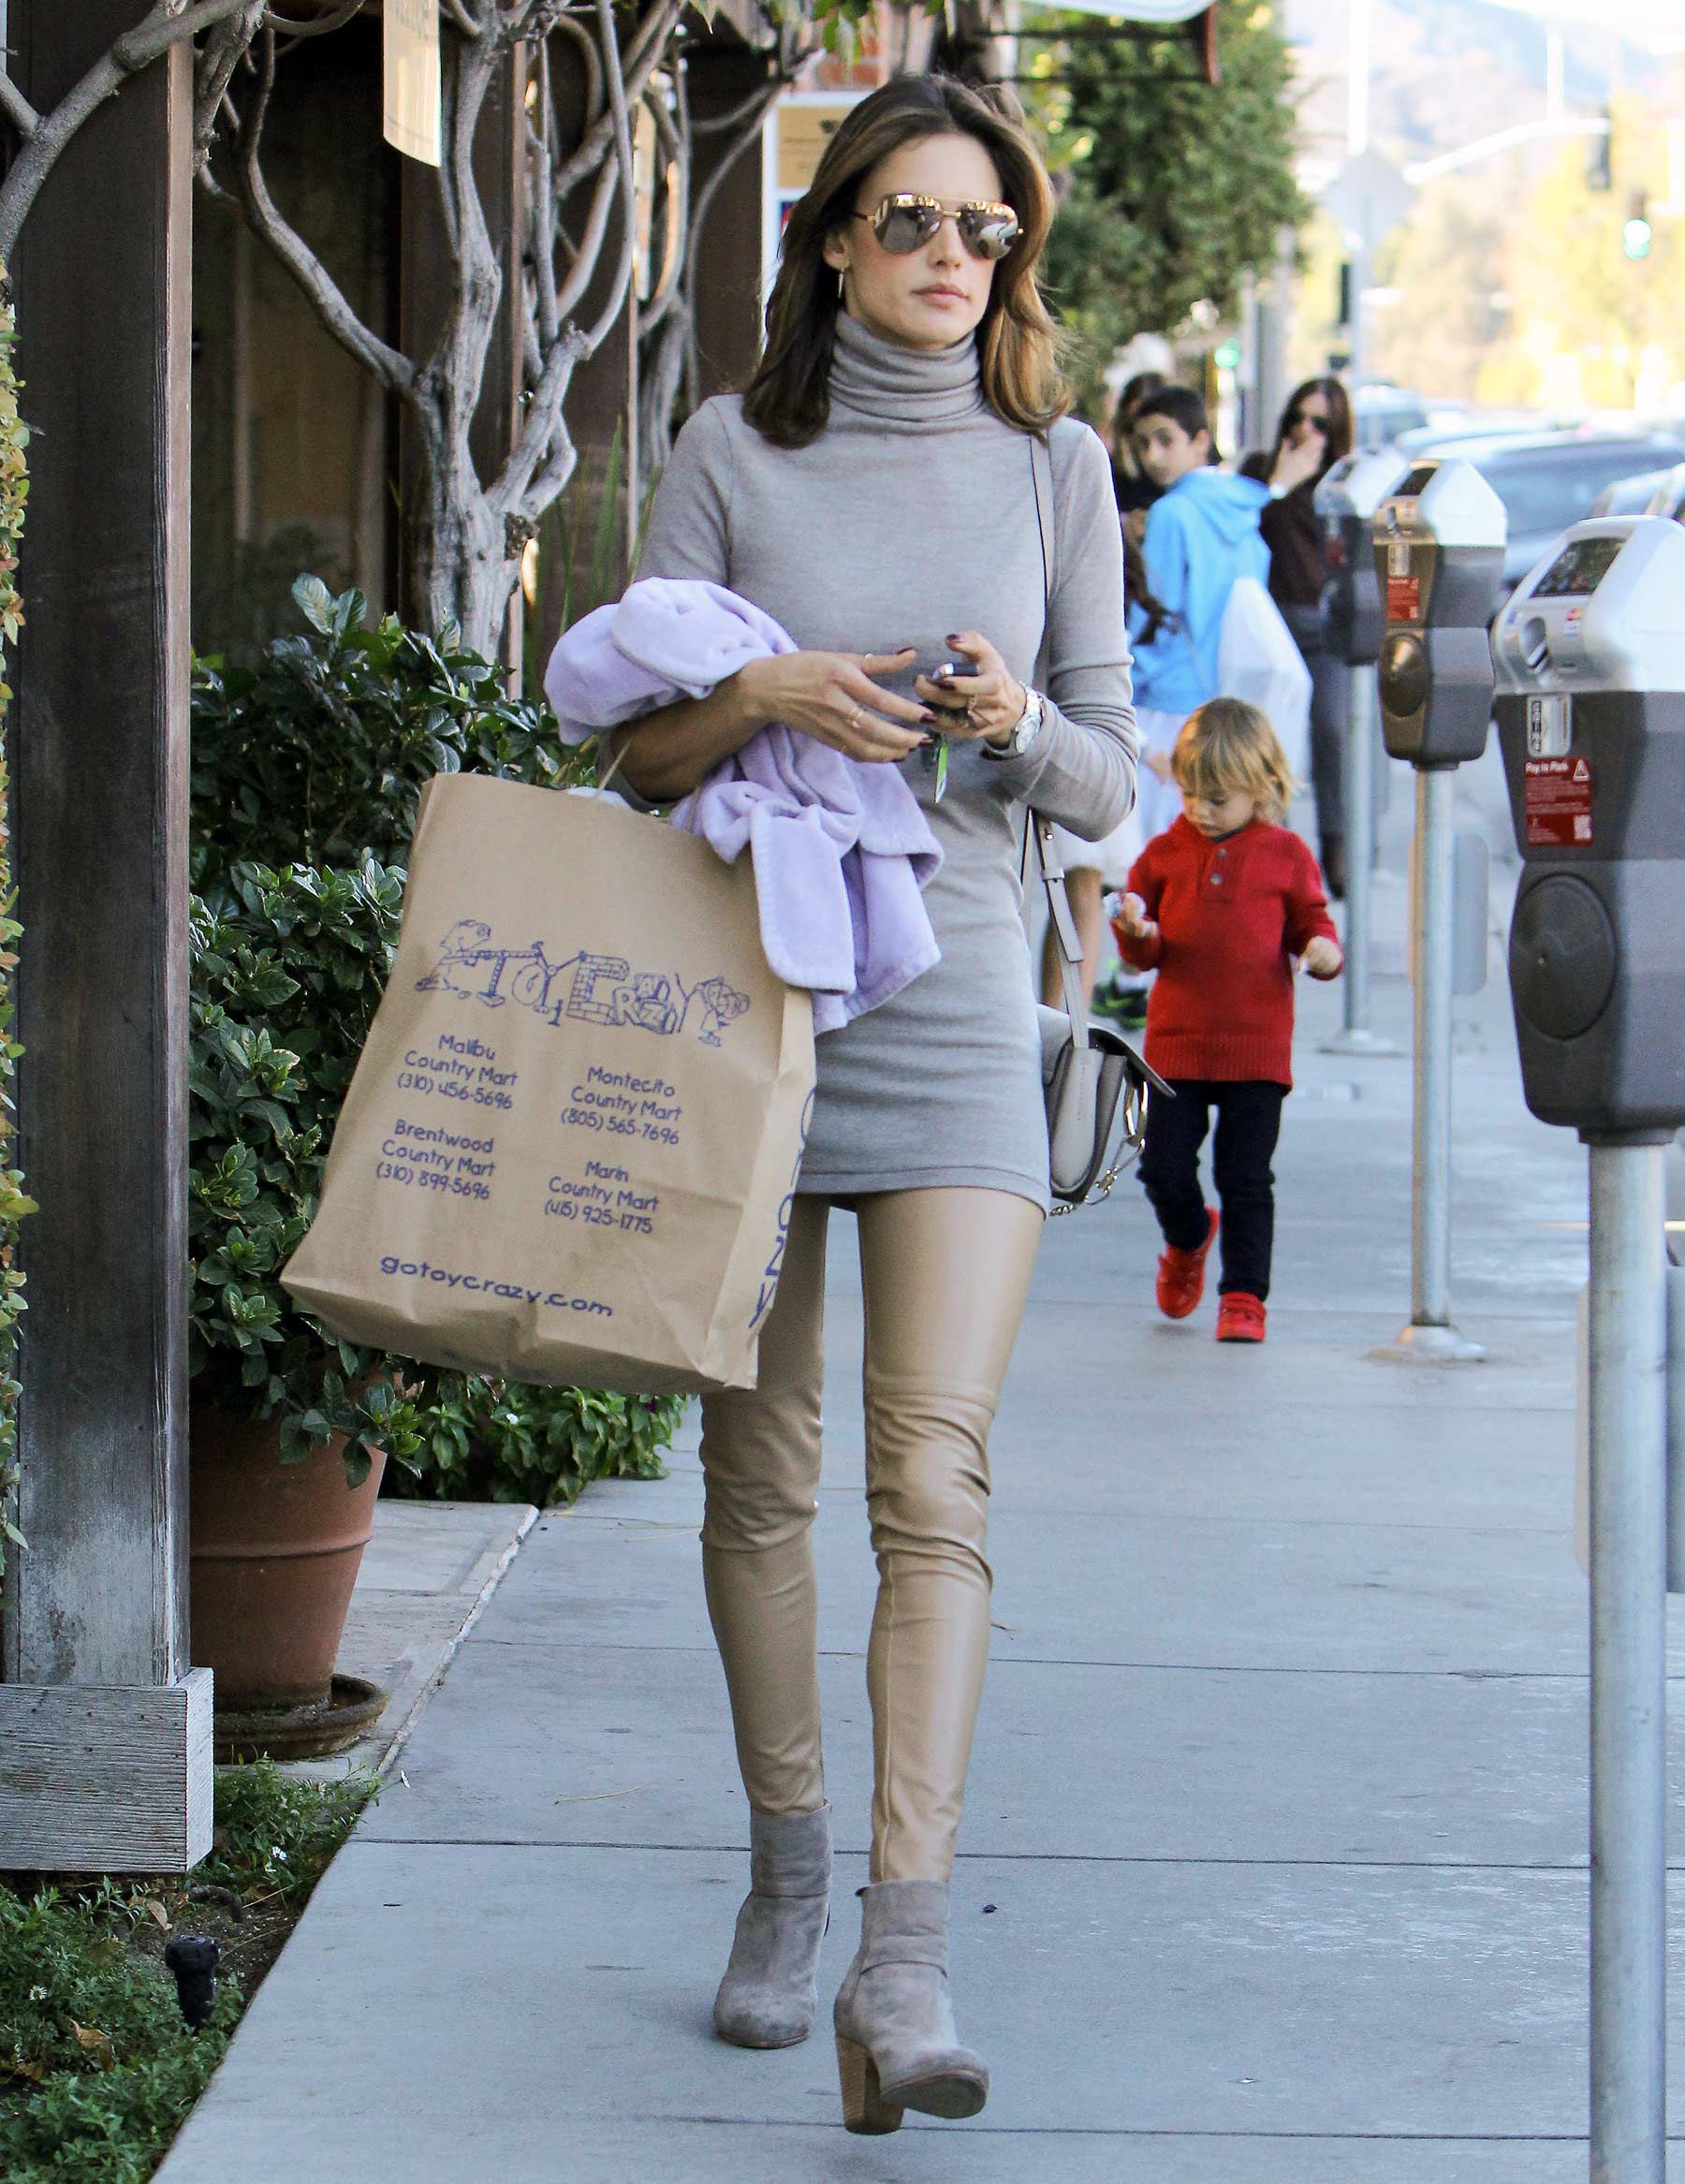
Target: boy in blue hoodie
{"x": 1201, "y": 532}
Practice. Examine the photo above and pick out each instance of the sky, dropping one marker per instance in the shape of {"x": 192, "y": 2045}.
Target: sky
{"x": 1657, "y": 23}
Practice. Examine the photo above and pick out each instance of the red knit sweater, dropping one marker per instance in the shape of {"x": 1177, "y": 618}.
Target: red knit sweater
{"x": 1231, "y": 916}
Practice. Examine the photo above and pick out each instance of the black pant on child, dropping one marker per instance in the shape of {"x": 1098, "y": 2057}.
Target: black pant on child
{"x": 1249, "y": 1120}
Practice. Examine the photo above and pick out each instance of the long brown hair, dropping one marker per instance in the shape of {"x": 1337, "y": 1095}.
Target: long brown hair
{"x": 1337, "y": 440}
{"x": 789, "y": 399}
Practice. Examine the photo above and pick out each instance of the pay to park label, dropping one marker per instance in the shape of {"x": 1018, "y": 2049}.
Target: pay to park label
{"x": 1558, "y": 803}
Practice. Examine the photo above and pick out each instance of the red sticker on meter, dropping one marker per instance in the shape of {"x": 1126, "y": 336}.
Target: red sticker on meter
{"x": 1558, "y": 803}
{"x": 1403, "y": 598}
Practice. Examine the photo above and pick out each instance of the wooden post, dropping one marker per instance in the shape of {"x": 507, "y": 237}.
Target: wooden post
{"x": 105, "y": 1732}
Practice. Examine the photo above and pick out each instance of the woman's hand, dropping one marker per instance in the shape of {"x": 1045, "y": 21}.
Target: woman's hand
{"x": 1321, "y": 958}
{"x": 982, "y": 706}
{"x": 1132, "y": 917}
{"x": 1293, "y": 465}
{"x": 1158, "y": 762}
{"x": 834, "y": 698}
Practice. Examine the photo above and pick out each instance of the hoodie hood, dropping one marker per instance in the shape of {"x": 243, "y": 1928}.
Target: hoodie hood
{"x": 1227, "y": 507}
{"x": 1201, "y": 535}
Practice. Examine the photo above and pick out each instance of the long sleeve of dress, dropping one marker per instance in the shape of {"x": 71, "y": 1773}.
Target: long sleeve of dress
{"x": 690, "y": 523}
{"x": 1080, "y": 769}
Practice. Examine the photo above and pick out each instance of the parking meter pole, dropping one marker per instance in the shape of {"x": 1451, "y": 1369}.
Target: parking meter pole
{"x": 1356, "y": 1037}
{"x": 1431, "y": 1193}
{"x": 1353, "y": 617}
{"x": 1430, "y": 1334}
{"x": 1629, "y": 1663}
{"x": 1590, "y": 653}
{"x": 1437, "y": 539}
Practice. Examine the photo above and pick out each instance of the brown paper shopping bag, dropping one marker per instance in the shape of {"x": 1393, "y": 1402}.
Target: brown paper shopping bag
{"x": 568, "y": 1151}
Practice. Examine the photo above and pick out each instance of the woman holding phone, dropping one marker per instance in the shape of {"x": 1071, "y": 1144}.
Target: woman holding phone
{"x": 875, "y": 491}
{"x": 1315, "y": 432}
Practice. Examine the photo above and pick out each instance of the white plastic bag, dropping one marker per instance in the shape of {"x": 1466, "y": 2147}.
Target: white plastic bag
{"x": 1258, "y": 661}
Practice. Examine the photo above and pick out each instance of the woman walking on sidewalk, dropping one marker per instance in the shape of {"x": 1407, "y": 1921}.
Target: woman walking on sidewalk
{"x": 1314, "y": 432}
{"x": 875, "y": 492}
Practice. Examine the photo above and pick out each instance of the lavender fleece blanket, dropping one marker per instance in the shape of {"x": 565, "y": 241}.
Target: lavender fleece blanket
{"x": 840, "y": 850}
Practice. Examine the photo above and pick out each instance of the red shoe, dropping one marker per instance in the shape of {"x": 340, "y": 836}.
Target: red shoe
{"x": 1181, "y": 1274}
{"x": 1239, "y": 1317}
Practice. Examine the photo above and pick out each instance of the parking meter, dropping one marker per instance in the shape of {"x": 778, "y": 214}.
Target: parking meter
{"x": 1352, "y": 605}
{"x": 1439, "y": 543}
{"x": 1589, "y": 656}
{"x": 1353, "y": 622}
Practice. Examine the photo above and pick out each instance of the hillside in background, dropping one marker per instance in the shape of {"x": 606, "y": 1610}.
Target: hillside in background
{"x": 1506, "y": 283}
{"x": 1445, "y": 72}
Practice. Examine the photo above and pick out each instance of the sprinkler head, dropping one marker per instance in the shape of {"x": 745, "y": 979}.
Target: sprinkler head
{"x": 194, "y": 1958}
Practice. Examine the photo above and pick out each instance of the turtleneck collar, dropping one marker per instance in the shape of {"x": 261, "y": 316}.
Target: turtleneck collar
{"x": 904, "y": 389}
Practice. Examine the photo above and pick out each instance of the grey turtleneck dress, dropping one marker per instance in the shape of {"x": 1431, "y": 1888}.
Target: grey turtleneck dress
{"x": 913, "y": 515}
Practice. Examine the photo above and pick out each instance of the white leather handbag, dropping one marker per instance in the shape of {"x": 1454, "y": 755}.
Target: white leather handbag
{"x": 1090, "y": 1072}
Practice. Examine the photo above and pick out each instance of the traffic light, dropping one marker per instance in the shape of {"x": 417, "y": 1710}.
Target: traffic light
{"x": 1598, "y": 170}
{"x": 1635, "y": 236}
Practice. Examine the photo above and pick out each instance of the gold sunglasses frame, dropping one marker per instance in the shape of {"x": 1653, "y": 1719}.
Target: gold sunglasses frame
{"x": 915, "y": 201}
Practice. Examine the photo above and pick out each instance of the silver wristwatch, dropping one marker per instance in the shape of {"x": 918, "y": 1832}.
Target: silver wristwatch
{"x": 1028, "y": 728}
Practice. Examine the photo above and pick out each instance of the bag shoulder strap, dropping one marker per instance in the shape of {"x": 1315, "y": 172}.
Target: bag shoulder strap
{"x": 1036, "y": 828}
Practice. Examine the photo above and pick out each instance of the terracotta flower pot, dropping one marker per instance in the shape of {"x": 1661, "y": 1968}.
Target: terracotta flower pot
{"x": 275, "y": 1552}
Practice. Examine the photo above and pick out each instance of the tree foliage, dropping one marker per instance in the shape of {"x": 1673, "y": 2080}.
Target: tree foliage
{"x": 1446, "y": 267}
{"x": 1175, "y": 187}
{"x": 1590, "y": 324}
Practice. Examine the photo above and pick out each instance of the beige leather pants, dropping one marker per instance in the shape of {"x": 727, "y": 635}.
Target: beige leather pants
{"x": 944, "y": 1274}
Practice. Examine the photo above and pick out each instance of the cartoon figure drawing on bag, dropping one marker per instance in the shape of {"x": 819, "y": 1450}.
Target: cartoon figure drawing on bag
{"x": 465, "y": 952}
{"x": 724, "y": 1004}
{"x": 650, "y": 1004}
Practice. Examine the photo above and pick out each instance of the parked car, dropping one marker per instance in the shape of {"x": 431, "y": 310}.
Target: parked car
{"x": 1548, "y": 481}
{"x": 1669, "y": 496}
{"x": 1631, "y": 496}
{"x": 1381, "y": 412}
{"x": 1491, "y": 424}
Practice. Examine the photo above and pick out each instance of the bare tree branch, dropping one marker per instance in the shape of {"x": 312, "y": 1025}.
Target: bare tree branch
{"x": 666, "y": 286}
{"x": 142, "y": 45}
{"x": 44, "y": 140}
{"x": 394, "y": 371}
{"x": 640, "y": 62}
{"x": 619, "y": 110}
{"x": 222, "y": 52}
{"x": 18, "y": 110}
{"x": 315, "y": 26}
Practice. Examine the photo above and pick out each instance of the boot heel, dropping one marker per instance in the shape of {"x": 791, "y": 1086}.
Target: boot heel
{"x": 864, "y": 2108}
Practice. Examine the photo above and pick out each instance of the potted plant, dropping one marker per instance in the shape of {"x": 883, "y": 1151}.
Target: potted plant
{"x": 289, "y": 1426}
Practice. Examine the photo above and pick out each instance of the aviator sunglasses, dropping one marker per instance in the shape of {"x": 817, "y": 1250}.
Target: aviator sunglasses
{"x": 905, "y": 223}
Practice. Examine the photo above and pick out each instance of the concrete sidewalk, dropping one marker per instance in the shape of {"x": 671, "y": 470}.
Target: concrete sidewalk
{"x": 1274, "y": 1869}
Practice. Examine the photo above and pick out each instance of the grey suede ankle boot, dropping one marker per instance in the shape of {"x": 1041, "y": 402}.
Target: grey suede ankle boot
{"x": 767, "y": 1997}
{"x": 896, "y": 2043}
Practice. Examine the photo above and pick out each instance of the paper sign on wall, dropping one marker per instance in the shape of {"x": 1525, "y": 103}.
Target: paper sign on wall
{"x": 411, "y": 122}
